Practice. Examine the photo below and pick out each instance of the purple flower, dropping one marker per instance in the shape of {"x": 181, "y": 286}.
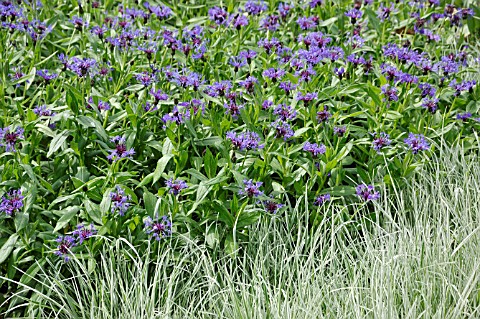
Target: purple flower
{"x": 255, "y": 7}
{"x": 218, "y": 15}
{"x": 430, "y": 104}
{"x": 427, "y": 90}
{"x": 175, "y": 186}
{"x": 99, "y": 31}
{"x": 245, "y": 141}
{"x": 283, "y": 130}
{"x": 158, "y": 228}
{"x": 233, "y": 109}
{"x": 12, "y": 202}
{"x": 65, "y": 244}
{"x": 42, "y": 110}
{"x": 323, "y": 115}
{"x": 161, "y": 12}
{"x": 249, "y": 55}
{"x": 463, "y": 86}
{"x": 381, "y": 140}
{"x": 177, "y": 116}
{"x": 390, "y": 71}
{"x": 340, "y": 72}
{"x": 158, "y": 95}
{"x": 270, "y": 22}
{"x": 284, "y": 9}
{"x": 8, "y": 139}
{"x": 239, "y": 21}
{"x": 307, "y": 23}
{"x": 146, "y": 78}
{"x": 83, "y": 232}
{"x": 367, "y": 192}
{"x": 314, "y": 149}
{"x": 463, "y": 116}
{"x": 269, "y": 45}
{"x": 47, "y": 75}
{"x": 354, "y": 15}
{"x": 249, "y": 83}
{"x": 285, "y": 112}
{"x": 389, "y": 92}
{"x": 384, "y": 12}
{"x": 267, "y": 104}
{"x": 416, "y": 142}
{"x": 237, "y": 62}
{"x": 307, "y": 97}
{"x": 274, "y": 74}
{"x": 120, "y": 202}
{"x": 287, "y": 86}
{"x": 83, "y": 67}
{"x": 339, "y": 130}
{"x": 284, "y": 55}
{"x": 271, "y": 206}
{"x": 322, "y": 199}
{"x": 78, "y": 22}
{"x": 218, "y": 88}
{"x": 251, "y": 188}
{"x": 120, "y": 151}
{"x": 305, "y": 75}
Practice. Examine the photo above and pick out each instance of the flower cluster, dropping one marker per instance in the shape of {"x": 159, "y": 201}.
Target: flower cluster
{"x": 9, "y": 138}
{"x": 251, "y": 188}
{"x": 416, "y": 142}
{"x": 120, "y": 151}
{"x": 120, "y": 201}
{"x": 65, "y": 243}
{"x": 245, "y": 141}
{"x": 367, "y": 192}
{"x": 175, "y": 186}
{"x": 11, "y": 202}
{"x": 158, "y": 228}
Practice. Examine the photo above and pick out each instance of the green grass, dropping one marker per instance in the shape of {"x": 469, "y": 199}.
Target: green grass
{"x": 422, "y": 262}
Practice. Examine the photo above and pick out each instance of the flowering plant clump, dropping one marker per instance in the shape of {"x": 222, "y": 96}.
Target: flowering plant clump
{"x": 120, "y": 201}
{"x": 175, "y": 186}
{"x": 9, "y": 138}
{"x": 367, "y": 192}
{"x": 103, "y": 102}
{"x": 12, "y": 202}
{"x": 120, "y": 151}
{"x": 158, "y": 228}
{"x": 251, "y": 188}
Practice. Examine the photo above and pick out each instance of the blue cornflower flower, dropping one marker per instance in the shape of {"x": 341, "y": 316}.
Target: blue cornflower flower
{"x": 12, "y": 202}
{"x": 314, "y": 149}
{"x": 120, "y": 150}
{"x": 367, "y": 192}
{"x": 120, "y": 202}
{"x": 416, "y": 142}
{"x": 175, "y": 186}
{"x": 381, "y": 140}
{"x": 322, "y": 199}
{"x": 65, "y": 244}
{"x": 83, "y": 232}
{"x": 251, "y": 188}
{"x": 158, "y": 228}
{"x": 8, "y": 139}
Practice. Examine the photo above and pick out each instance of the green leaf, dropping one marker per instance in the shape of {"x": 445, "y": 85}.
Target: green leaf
{"x": 247, "y": 219}
{"x": 213, "y": 141}
{"x": 8, "y": 247}
{"x": 210, "y": 164}
{"x": 21, "y": 220}
{"x": 66, "y": 217}
{"x": 57, "y": 142}
{"x": 161, "y": 164}
{"x": 150, "y": 201}
{"x": 340, "y": 191}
